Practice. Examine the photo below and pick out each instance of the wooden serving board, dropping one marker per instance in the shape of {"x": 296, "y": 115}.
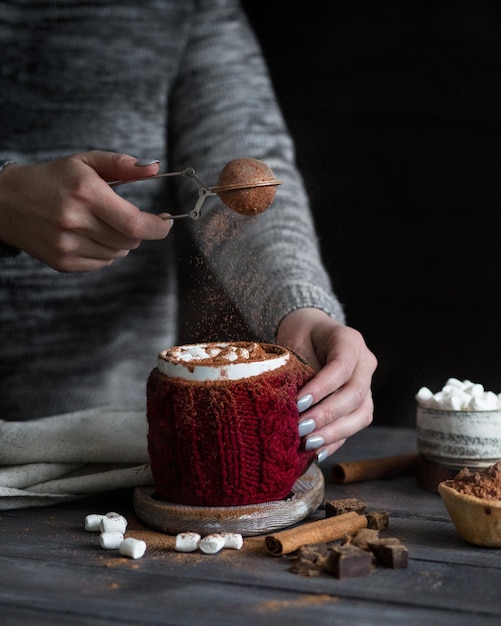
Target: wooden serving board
{"x": 248, "y": 520}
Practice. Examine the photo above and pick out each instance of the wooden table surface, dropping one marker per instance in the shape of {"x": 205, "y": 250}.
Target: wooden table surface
{"x": 53, "y": 572}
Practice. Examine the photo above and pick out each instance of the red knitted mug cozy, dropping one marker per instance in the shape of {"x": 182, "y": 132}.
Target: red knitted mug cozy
{"x": 229, "y": 442}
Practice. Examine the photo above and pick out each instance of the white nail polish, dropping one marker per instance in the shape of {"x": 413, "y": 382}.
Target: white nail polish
{"x": 305, "y": 402}
{"x": 145, "y": 162}
{"x": 321, "y": 456}
{"x": 306, "y": 427}
{"x": 312, "y": 443}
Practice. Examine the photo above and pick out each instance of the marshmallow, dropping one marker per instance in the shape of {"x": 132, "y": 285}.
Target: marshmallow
{"x": 212, "y": 352}
{"x": 93, "y": 522}
{"x": 200, "y": 352}
{"x": 187, "y": 542}
{"x": 195, "y": 353}
{"x": 212, "y": 544}
{"x": 111, "y": 540}
{"x": 113, "y": 521}
{"x": 232, "y": 540}
{"x": 488, "y": 401}
{"x": 459, "y": 395}
{"x": 133, "y": 548}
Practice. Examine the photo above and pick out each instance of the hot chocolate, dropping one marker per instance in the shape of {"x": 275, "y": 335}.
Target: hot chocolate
{"x": 223, "y": 423}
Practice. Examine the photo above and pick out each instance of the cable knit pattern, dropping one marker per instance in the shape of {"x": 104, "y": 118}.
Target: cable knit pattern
{"x": 226, "y": 443}
{"x": 178, "y": 80}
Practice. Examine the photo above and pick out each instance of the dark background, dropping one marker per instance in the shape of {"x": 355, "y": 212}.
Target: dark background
{"x": 396, "y": 112}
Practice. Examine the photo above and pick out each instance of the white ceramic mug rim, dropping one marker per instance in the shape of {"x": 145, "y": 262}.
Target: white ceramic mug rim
{"x": 231, "y": 371}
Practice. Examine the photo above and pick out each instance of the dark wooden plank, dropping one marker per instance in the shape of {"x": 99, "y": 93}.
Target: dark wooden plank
{"x": 69, "y": 564}
{"x": 53, "y": 571}
{"x": 130, "y": 596}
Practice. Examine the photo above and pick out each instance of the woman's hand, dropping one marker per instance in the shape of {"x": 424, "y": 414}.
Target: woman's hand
{"x": 65, "y": 214}
{"x": 337, "y": 402}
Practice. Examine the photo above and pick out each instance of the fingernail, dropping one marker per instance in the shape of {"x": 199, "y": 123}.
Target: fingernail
{"x": 305, "y": 402}
{"x": 312, "y": 443}
{"x": 306, "y": 427}
{"x": 321, "y": 456}
{"x": 166, "y": 217}
{"x": 145, "y": 162}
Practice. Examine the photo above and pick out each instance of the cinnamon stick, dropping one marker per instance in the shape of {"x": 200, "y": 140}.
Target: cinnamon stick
{"x": 321, "y": 531}
{"x": 372, "y": 469}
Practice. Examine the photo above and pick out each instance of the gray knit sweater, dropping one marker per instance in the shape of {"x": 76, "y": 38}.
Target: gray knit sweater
{"x": 178, "y": 80}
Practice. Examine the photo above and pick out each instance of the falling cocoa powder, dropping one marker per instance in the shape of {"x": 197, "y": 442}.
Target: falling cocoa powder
{"x": 210, "y": 314}
{"x": 485, "y": 484}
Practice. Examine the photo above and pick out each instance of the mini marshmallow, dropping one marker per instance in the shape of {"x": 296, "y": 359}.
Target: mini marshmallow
{"x": 133, "y": 548}
{"x": 187, "y": 542}
{"x": 212, "y": 543}
{"x": 232, "y": 353}
{"x": 233, "y": 541}
{"x": 455, "y": 382}
{"x": 457, "y": 402}
{"x": 459, "y": 395}
{"x": 212, "y": 352}
{"x": 197, "y": 352}
{"x": 93, "y": 522}
{"x": 111, "y": 540}
{"x": 488, "y": 401}
{"x": 452, "y": 398}
{"x": 116, "y": 522}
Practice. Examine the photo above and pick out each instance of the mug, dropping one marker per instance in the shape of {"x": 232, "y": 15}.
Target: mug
{"x": 223, "y": 423}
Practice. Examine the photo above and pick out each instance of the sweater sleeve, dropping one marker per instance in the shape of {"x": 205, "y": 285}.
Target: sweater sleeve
{"x": 6, "y": 250}
{"x": 223, "y": 107}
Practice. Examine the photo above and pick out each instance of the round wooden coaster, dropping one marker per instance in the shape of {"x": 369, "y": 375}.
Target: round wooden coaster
{"x": 248, "y": 520}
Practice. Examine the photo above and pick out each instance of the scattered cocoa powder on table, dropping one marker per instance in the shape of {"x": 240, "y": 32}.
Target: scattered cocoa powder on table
{"x": 485, "y": 484}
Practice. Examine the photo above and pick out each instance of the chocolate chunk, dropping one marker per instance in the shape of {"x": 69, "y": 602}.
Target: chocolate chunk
{"x": 313, "y": 551}
{"x": 311, "y": 559}
{"x": 338, "y": 507}
{"x": 348, "y": 561}
{"x": 390, "y": 552}
{"x": 377, "y": 520}
{"x": 362, "y": 537}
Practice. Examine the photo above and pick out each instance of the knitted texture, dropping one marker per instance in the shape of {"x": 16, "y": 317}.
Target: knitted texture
{"x": 226, "y": 443}
{"x": 177, "y": 80}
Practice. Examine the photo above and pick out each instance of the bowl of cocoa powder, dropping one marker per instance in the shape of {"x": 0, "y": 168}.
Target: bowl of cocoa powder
{"x": 473, "y": 501}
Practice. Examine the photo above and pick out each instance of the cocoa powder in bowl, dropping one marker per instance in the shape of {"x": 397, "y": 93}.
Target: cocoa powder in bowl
{"x": 485, "y": 484}
{"x": 473, "y": 501}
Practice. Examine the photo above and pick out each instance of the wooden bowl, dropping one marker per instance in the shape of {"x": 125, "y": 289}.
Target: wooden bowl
{"x": 477, "y": 520}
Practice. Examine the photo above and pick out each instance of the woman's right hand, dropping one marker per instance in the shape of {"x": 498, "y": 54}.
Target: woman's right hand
{"x": 65, "y": 214}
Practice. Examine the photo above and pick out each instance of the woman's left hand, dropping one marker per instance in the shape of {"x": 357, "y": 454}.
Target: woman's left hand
{"x": 337, "y": 402}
